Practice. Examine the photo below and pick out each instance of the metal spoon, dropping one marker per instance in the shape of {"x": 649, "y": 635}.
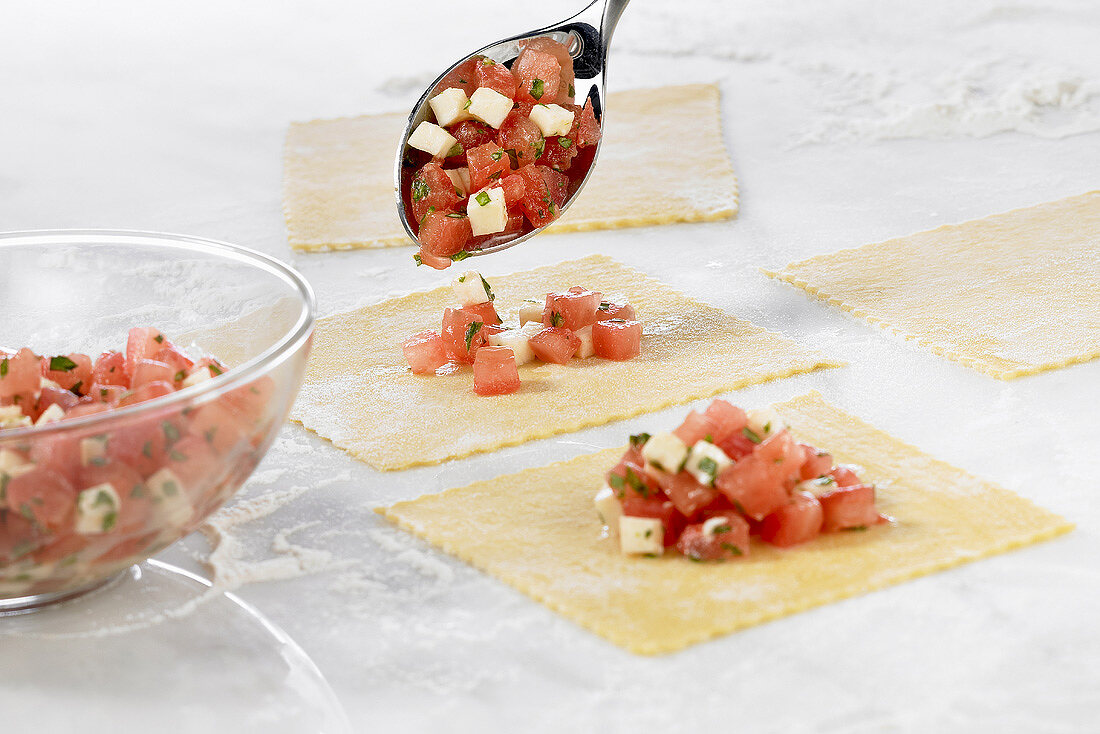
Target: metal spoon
{"x": 587, "y": 35}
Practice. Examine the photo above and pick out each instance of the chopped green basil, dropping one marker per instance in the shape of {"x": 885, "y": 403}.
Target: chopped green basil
{"x": 102, "y": 498}
{"x": 616, "y": 481}
{"x": 482, "y": 199}
{"x": 540, "y": 147}
{"x": 420, "y": 189}
{"x": 537, "y": 88}
{"x": 636, "y": 482}
{"x": 456, "y": 215}
{"x": 159, "y": 338}
{"x": 459, "y": 256}
{"x": 75, "y": 389}
{"x": 61, "y": 364}
{"x": 604, "y": 306}
{"x": 750, "y": 434}
{"x": 556, "y": 319}
{"x": 565, "y": 142}
{"x": 4, "y": 367}
{"x": 456, "y": 149}
{"x": 732, "y": 549}
{"x": 488, "y": 290}
{"x": 473, "y": 328}
{"x": 709, "y": 467}
{"x": 418, "y": 260}
{"x": 171, "y": 433}
{"x": 718, "y": 530}
{"x": 639, "y": 439}
{"x": 572, "y": 91}
{"x": 496, "y": 155}
{"x": 215, "y": 370}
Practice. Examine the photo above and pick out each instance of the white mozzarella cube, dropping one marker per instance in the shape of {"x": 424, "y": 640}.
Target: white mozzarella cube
{"x": 706, "y": 461}
{"x": 552, "y": 119}
{"x": 93, "y": 450}
{"x": 764, "y": 422}
{"x": 487, "y": 211}
{"x": 471, "y": 288}
{"x": 50, "y": 415}
{"x": 450, "y": 106}
{"x": 665, "y": 451}
{"x": 608, "y": 508}
{"x": 518, "y": 340}
{"x": 460, "y": 177}
{"x": 171, "y": 504}
{"x": 10, "y": 460}
{"x": 11, "y": 416}
{"x": 712, "y": 524}
{"x": 97, "y": 509}
{"x": 201, "y": 374}
{"x": 641, "y": 535}
{"x": 588, "y": 346}
{"x": 531, "y": 311}
{"x": 489, "y": 106}
{"x": 432, "y": 139}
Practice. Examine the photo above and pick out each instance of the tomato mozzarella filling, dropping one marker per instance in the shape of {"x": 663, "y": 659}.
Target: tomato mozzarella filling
{"x": 722, "y": 476}
{"x": 506, "y": 150}
{"x": 574, "y": 324}
{"x": 105, "y": 495}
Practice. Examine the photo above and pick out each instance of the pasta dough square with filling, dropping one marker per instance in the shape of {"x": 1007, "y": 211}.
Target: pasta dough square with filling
{"x": 338, "y": 174}
{"x": 359, "y": 392}
{"x": 537, "y": 531}
{"x": 1009, "y": 295}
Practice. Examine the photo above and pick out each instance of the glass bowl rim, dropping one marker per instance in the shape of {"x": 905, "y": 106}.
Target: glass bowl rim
{"x": 233, "y": 378}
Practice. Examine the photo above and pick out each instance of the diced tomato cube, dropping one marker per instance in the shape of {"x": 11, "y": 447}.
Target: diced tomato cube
{"x": 445, "y": 234}
{"x": 558, "y": 50}
{"x": 728, "y": 419}
{"x": 431, "y": 189}
{"x": 660, "y": 508}
{"x": 488, "y": 165}
{"x": 109, "y": 394}
{"x": 555, "y": 344}
{"x": 622, "y": 311}
{"x": 144, "y": 444}
{"x": 573, "y": 309}
{"x": 751, "y": 486}
{"x": 150, "y": 370}
{"x": 180, "y": 363}
{"x": 44, "y": 496}
{"x": 143, "y": 343}
{"x": 618, "y": 340}
{"x": 469, "y": 134}
{"x": 20, "y": 377}
{"x": 684, "y": 491}
{"x": 513, "y": 187}
{"x": 73, "y": 371}
{"x": 730, "y": 540}
{"x": 736, "y": 445}
{"x": 110, "y": 369}
{"x": 495, "y": 371}
{"x": 463, "y": 76}
{"x": 536, "y": 204}
{"x": 522, "y": 137}
{"x": 59, "y": 453}
{"x": 815, "y": 463}
{"x": 798, "y": 521}
{"x": 250, "y": 403}
{"x": 486, "y": 311}
{"x": 56, "y": 396}
{"x": 557, "y": 186}
{"x": 425, "y": 352}
{"x": 849, "y": 507}
{"x": 844, "y": 476}
{"x": 219, "y": 427}
{"x": 696, "y": 427}
{"x": 497, "y": 77}
{"x": 558, "y": 153}
{"x": 148, "y": 391}
{"x": 783, "y": 457}
{"x": 423, "y": 257}
{"x": 462, "y": 334}
{"x": 538, "y": 76}
{"x": 589, "y": 130}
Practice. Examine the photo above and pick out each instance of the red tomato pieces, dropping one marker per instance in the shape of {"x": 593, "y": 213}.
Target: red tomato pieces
{"x": 496, "y": 154}
{"x": 495, "y": 371}
{"x": 734, "y": 483}
{"x": 425, "y": 352}
{"x": 555, "y": 344}
{"x": 617, "y": 340}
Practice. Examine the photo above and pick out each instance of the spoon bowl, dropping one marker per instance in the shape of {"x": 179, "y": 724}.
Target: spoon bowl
{"x": 587, "y": 35}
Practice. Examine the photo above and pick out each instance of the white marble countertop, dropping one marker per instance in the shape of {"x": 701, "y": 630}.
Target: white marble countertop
{"x": 847, "y": 122}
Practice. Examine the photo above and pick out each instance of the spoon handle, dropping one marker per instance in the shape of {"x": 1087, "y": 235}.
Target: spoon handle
{"x": 611, "y": 11}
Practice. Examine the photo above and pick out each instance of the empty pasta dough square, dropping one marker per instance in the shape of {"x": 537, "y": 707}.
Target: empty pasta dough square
{"x": 359, "y": 392}
{"x": 1009, "y": 295}
{"x": 338, "y": 174}
{"x": 537, "y": 531}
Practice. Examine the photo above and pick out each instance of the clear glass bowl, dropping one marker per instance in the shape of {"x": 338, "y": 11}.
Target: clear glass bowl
{"x": 81, "y": 291}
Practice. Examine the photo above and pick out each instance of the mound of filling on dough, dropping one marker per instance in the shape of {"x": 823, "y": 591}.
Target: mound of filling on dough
{"x": 573, "y": 324}
{"x": 723, "y": 476}
{"x": 507, "y": 149}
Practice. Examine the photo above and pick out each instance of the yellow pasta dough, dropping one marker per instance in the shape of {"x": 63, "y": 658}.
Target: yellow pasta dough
{"x": 1010, "y": 295}
{"x": 359, "y": 393}
{"x": 338, "y": 174}
{"x": 537, "y": 531}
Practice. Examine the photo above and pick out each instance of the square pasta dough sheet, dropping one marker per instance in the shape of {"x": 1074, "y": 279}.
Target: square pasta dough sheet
{"x": 359, "y": 392}
{"x": 338, "y": 174}
{"x": 1009, "y": 295}
{"x": 538, "y": 531}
